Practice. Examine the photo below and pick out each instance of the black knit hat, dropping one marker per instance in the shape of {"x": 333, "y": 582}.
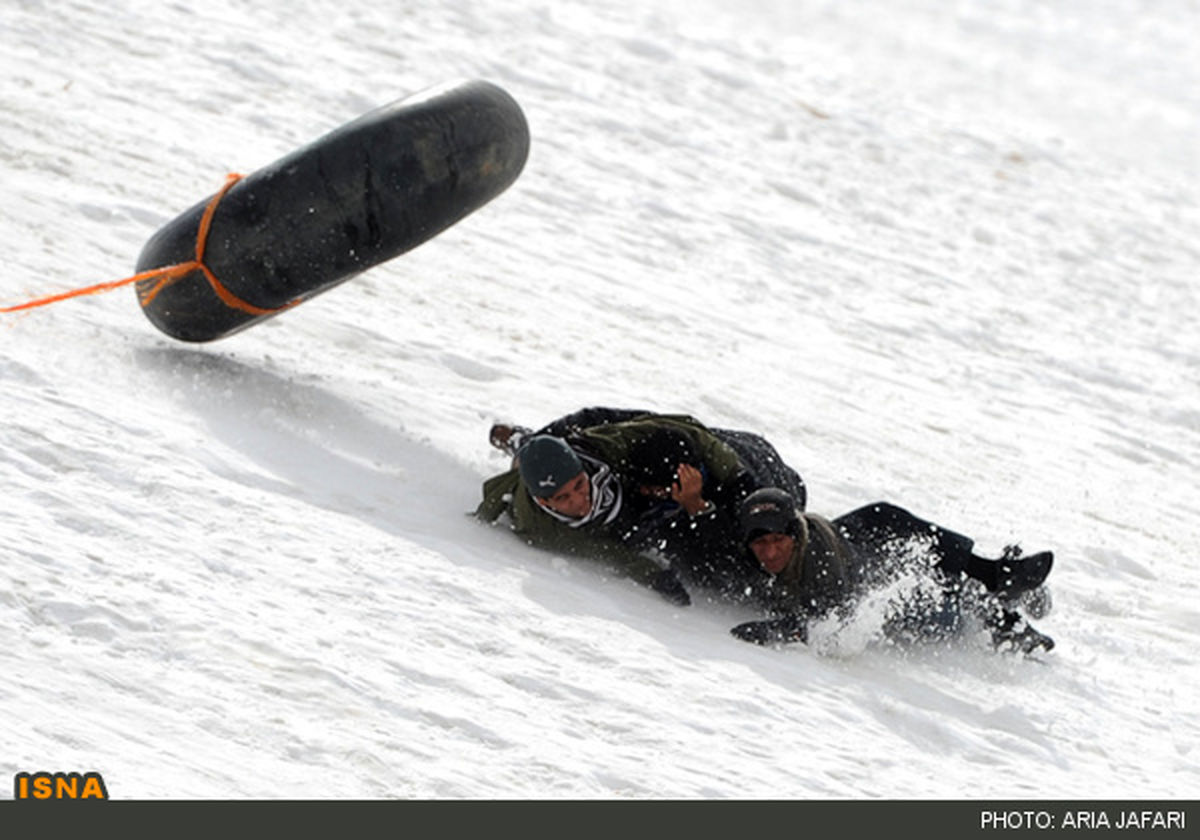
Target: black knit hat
{"x": 655, "y": 458}
{"x": 546, "y": 463}
{"x": 768, "y": 511}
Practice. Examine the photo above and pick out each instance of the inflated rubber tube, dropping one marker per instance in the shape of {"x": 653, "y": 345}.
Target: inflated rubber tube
{"x": 362, "y": 194}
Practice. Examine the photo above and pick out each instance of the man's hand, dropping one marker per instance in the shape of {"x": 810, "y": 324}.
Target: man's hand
{"x": 688, "y": 489}
{"x": 774, "y": 631}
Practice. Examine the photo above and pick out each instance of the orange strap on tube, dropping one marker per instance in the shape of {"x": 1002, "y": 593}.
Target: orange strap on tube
{"x": 169, "y": 274}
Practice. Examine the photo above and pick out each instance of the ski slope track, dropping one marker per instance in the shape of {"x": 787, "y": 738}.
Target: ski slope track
{"x": 939, "y": 254}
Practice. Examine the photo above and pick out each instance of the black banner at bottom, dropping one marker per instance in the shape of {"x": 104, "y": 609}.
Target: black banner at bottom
{"x": 924, "y": 819}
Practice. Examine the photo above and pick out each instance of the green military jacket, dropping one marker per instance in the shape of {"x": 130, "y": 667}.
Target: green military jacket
{"x": 611, "y": 542}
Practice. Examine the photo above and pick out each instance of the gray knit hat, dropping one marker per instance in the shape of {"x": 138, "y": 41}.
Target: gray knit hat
{"x": 768, "y": 511}
{"x": 546, "y": 464}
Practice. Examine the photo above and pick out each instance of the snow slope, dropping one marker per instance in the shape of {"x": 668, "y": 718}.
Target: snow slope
{"x": 940, "y": 254}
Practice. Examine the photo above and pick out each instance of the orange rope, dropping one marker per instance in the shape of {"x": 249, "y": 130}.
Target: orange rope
{"x": 170, "y": 273}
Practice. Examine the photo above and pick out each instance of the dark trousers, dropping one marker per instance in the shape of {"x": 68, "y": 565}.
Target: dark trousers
{"x": 889, "y": 540}
{"x": 885, "y": 536}
{"x": 764, "y": 463}
{"x": 585, "y": 418}
{"x": 884, "y": 532}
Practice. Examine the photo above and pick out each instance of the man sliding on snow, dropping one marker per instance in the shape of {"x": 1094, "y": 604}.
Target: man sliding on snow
{"x": 656, "y": 495}
{"x": 819, "y": 568}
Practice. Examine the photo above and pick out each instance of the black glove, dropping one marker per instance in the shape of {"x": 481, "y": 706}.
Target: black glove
{"x": 666, "y": 583}
{"x": 790, "y": 628}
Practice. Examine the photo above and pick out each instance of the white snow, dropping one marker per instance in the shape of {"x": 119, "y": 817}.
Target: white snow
{"x": 942, "y": 254}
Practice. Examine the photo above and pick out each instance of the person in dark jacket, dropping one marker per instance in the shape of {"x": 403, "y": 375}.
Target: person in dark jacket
{"x": 819, "y": 568}
{"x": 759, "y": 458}
{"x": 656, "y": 495}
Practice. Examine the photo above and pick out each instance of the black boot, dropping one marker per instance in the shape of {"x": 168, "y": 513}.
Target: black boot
{"x": 1012, "y": 574}
{"x": 1011, "y": 632}
{"x": 1016, "y": 574}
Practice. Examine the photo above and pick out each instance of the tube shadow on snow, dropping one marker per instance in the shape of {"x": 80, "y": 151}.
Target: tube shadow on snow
{"x": 302, "y": 440}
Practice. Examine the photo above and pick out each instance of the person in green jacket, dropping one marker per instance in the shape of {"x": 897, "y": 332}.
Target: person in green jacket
{"x": 820, "y": 568}
{"x": 654, "y": 495}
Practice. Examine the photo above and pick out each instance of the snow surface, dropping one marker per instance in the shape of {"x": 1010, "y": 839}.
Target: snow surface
{"x": 942, "y": 254}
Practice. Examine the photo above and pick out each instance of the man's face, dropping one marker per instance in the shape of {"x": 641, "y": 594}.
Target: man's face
{"x": 573, "y": 499}
{"x": 773, "y": 551}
